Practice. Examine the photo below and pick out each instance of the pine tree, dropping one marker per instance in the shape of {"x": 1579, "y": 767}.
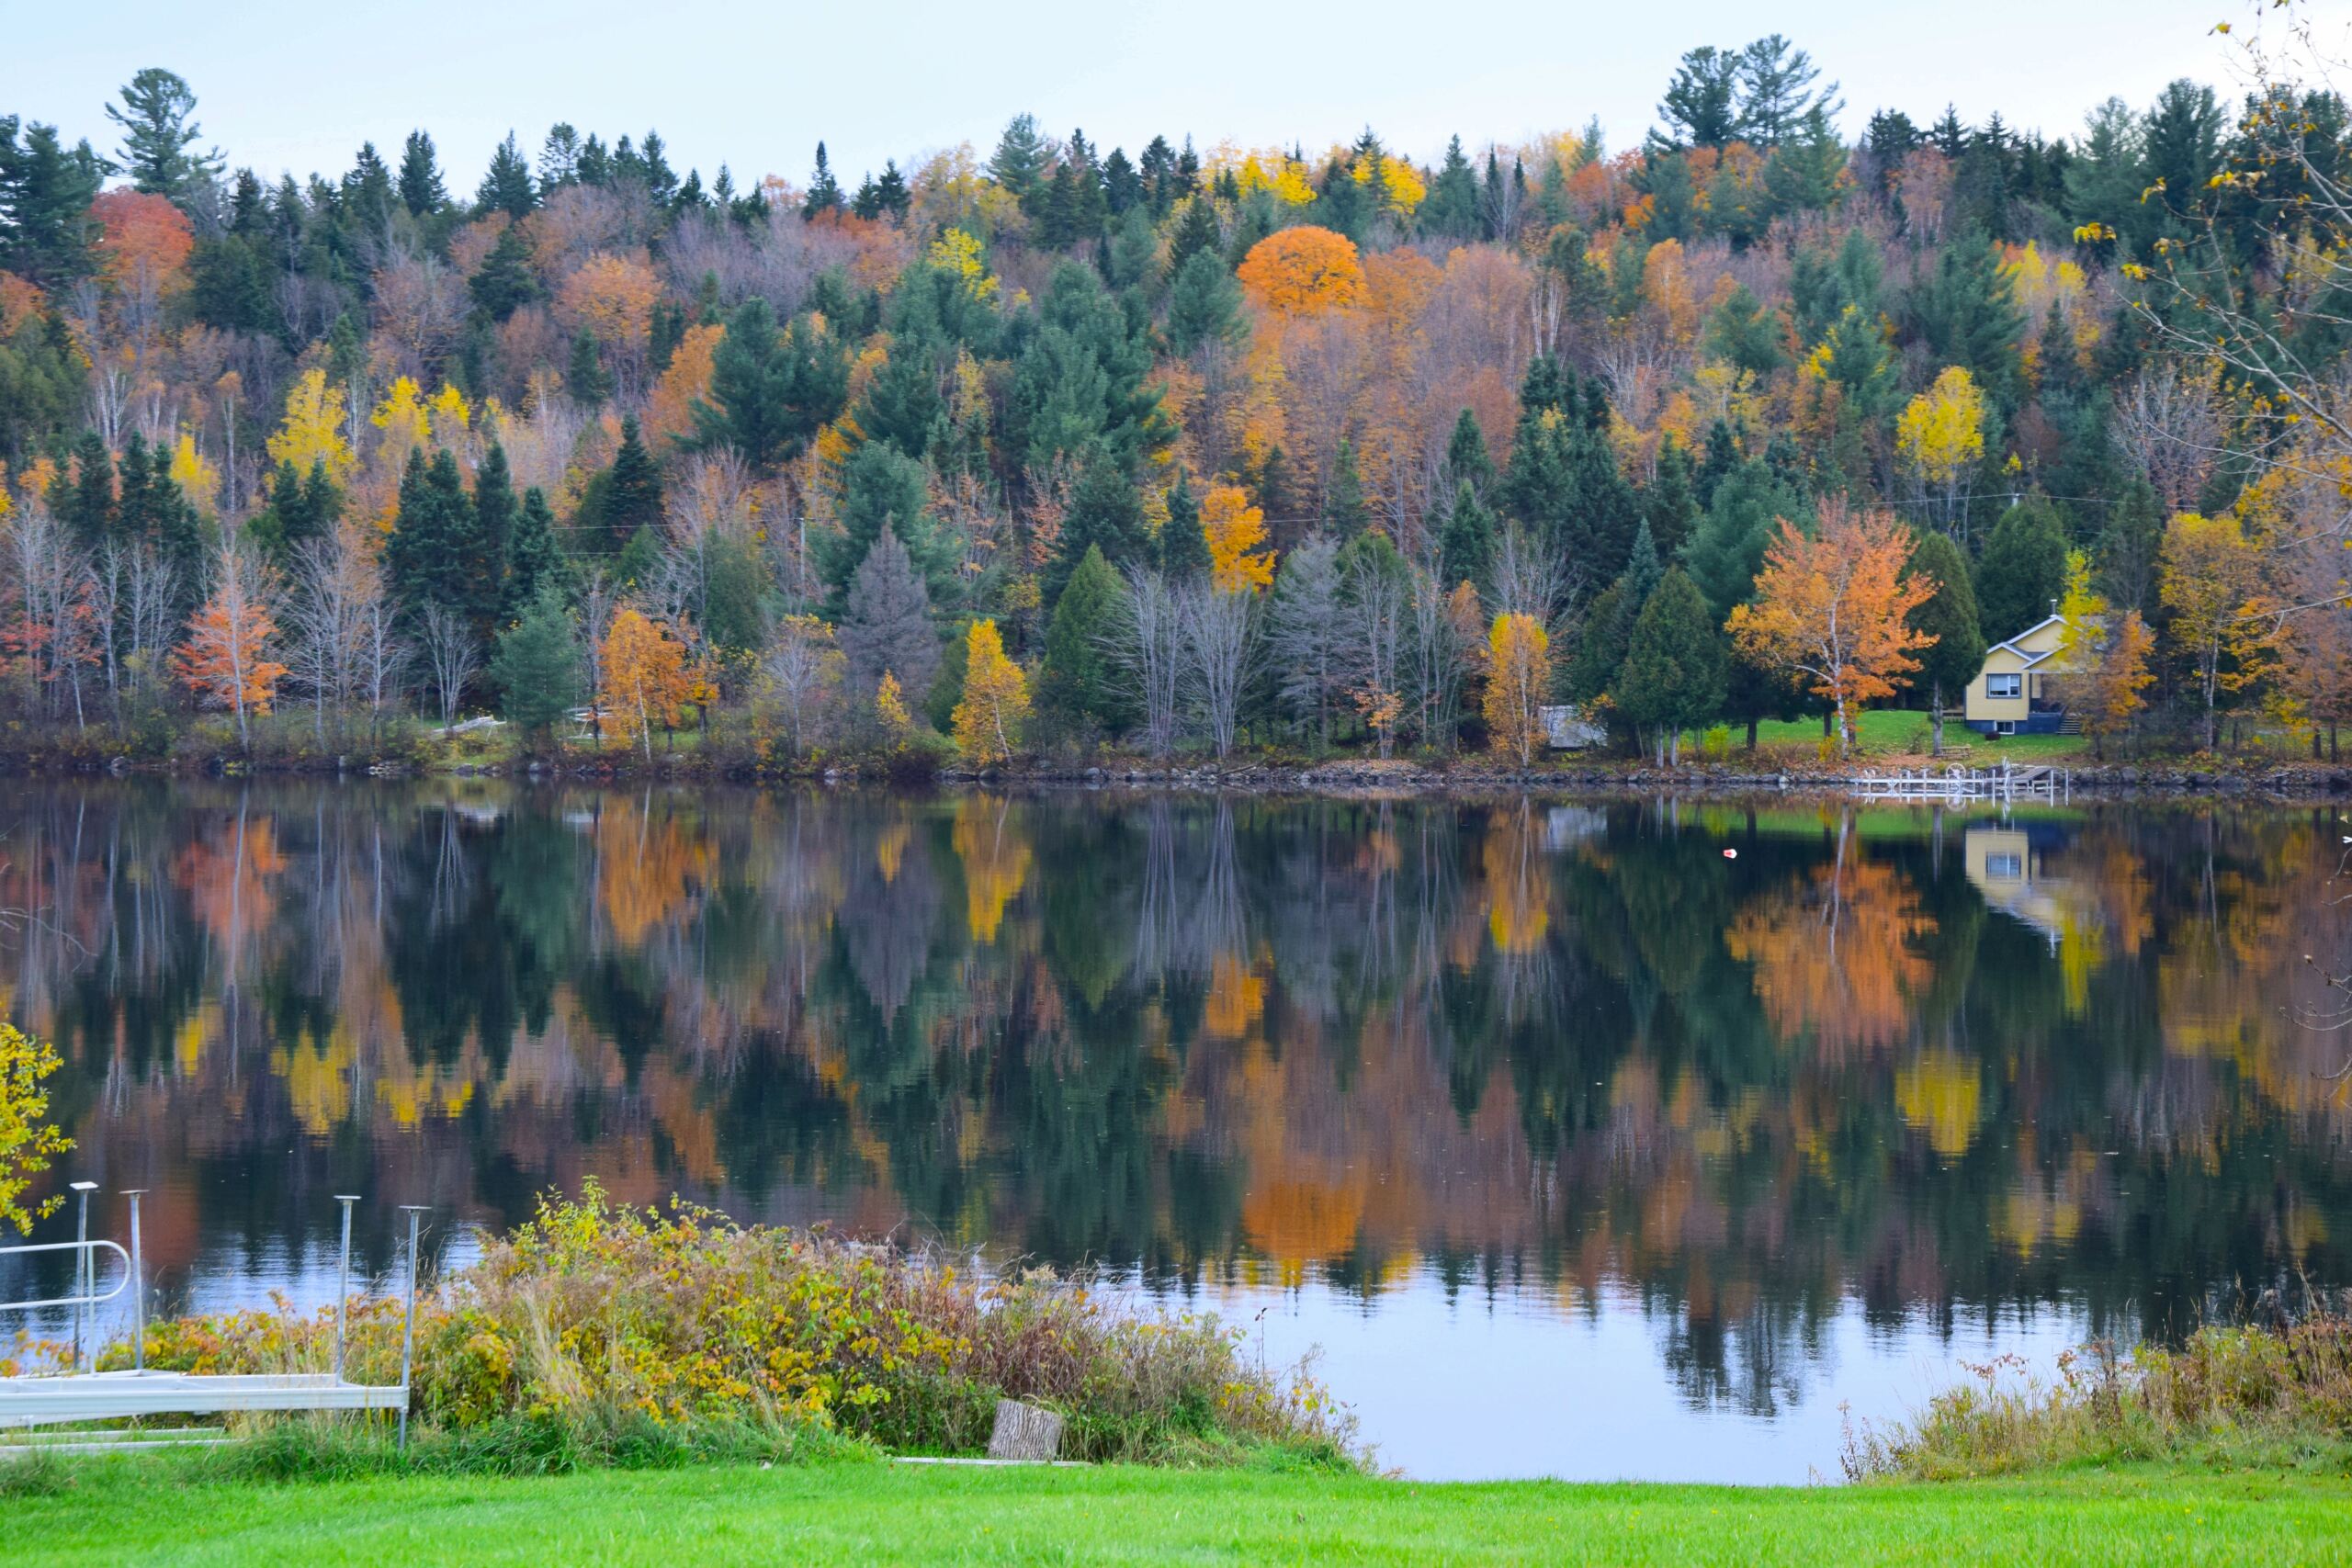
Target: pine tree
{"x": 88, "y": 506}
{"x": 433, "y": 555}
{"x": 886, "y": 620}
{"x": 420, "y": 189}
{"x": 505, "y": 281}
{"x": 1726, "y": 550}
{"x": 1196, "y": 231}
{"x": 1465, "y": 543}
{"x": 1670, "y": 502}
{"x": 506, "y": 188}
{"x": 1948, "y": 665}
{"x": 46, "y": 192}
{"x": 1450, "y": 211}
{"x": 536, "y": 665}
{"x": 824, "y": 191}
{"x": 494, "y": 518}
{"x": 1467, "y": 460}
{"x": 1343, "y": 507}
{"x": 535, "y": 561}
{"x": 1019, "y": 161}
{"x": 2023, "y": 569}
{"x": 158, "y": 131}
{"x": 632, "y": 498}
{"x": 1204, "y": 305}
{"x": 1183, "y": 548}
{"x": 1672, "y": 679}
{"x": 1080, "y": 684}
{"x": 770, "y": 391}
{"x": 1105, "y": 513}
{"x": 584, "y": 377}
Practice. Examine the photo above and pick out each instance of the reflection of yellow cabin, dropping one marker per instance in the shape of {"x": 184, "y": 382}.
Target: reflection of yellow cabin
{"x": 2015, "y": 693}
{"x": 2004, "y": 866}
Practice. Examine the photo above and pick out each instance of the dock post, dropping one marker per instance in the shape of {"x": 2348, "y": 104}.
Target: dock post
{"x": 84, "y": 1277}
{"x": 342, "y": 1280}
{"x": 407, "y": 1321}
{"x": 138, "y": 1286}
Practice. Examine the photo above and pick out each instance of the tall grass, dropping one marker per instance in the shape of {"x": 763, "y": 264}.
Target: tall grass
{"x": 596, "y": 1329}
{"x": 2274, "y": 1396}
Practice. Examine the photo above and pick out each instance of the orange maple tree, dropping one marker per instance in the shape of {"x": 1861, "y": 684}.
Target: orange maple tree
{"x": 1234, "y": 528}
{"x": 1304, "y": 271}
{"x": 1832, "y": 607}
{"x": 226, "y": 659}
{"x": 646, "y": 672}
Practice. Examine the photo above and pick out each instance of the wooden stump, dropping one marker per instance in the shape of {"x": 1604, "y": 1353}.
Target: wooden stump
{"x": 1025, "y": 1431}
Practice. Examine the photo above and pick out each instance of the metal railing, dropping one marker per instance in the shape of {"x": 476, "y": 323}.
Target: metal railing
{"x": 86, "y": 1393}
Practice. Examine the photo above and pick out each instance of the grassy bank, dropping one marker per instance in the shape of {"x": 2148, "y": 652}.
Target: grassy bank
{"x": 872, "y": 1513}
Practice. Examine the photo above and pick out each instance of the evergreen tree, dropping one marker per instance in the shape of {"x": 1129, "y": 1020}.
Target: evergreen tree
{"x": 583, "y": 376}
{"x": 1466, "y": 542}
{"x": 824, "y": 191}
{"x": 88, "y": 506}
{"x": 1966, "y": 311}
{"x": 1672, "y": 679}
{"x": 1196, "y": 231}
{"x": 1080, "y": 684}
{"x": 632, "y": 497}
{"x": 1564, "y": 481}
{"x": 535, "y": 561}
{"x": 1609, "y": 625}
{"x": 433, "y": 556}
{"x": 367, "y": 194}
{"x": 506, "y": 188}
{"x": 1344, "y": 514}
{"x": 885, "y": 490}
{"x": 45, "y": 195}
{"x": 1726, "y": 550}
{"x": 505, "y": 281}
{"x": 1104, "y": 513}
{"x": 1467, "y": 460}
{"x": 1018, "y": 165}
{"x": 1948, "y": 665}
{"x": 420, "y": 189}
{"x": 1701, "y": 106}
{"x": 1450, "y": 211}
{"x": 887, "y": 621}
{"x": 2023, "y": 569}
{"x": 1670, "y": 501}
{"x": 771, "y": 390}
{"x": 2129, "y": 547}
{"x": 535, "y": 666}
{"x": 494, "y": 524}
{"x": 159, "y": 131}
{"x": 1204, "y": 305}
{"x": 1183, "y": 548}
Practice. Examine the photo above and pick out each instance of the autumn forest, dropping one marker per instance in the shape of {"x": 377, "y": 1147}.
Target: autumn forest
{"x": 1043, "y": 448}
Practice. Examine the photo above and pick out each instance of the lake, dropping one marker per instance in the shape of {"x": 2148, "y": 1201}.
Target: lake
{"x": 1578, "y": 1145}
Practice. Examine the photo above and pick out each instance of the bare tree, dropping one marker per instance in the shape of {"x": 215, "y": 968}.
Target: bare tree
{"x": 1438, "y": 649}
{"x": 2168, "y": 424}
{"x": 800, "y": 667}
{"x": 1528, "y": 579}
{"x": 1149, "y": 643}
{"x": 451, "y": 655}
{"x": 48, "y": 586}
{"x": 1221, "y": 633}
{"x": 338, "y": 585}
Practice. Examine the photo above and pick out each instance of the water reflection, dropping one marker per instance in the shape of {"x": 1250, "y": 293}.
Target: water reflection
{"x": 1895, "y": 1069}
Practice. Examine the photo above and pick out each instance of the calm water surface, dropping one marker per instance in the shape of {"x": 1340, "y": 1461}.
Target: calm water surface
{"x": 1575, "y": 1147}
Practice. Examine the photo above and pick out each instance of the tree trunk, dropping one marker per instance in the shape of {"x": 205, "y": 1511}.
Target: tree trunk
{"x": 1026, "y": 1432}
{"x": 1752, "y": 722}
{"x": 1936, "y": 724}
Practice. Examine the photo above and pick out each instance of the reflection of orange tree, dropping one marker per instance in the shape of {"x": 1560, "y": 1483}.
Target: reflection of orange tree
{"x": 1837, "y": 953}
{"x": 1519, "y": 887}
{"x": 645, "y": 869}
{"x": 228, "y": 879}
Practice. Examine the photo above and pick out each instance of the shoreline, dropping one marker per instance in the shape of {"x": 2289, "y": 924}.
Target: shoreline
{"x": 2263, "y": 779}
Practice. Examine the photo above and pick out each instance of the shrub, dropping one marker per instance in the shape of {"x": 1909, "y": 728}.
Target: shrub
{"x": 594, "y": 1321}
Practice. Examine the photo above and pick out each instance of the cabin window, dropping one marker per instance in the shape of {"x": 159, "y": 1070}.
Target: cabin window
{"x": 2004, "y": 685}
{"x": 2005, "y": 726}
{"x": 2008, "y": 868}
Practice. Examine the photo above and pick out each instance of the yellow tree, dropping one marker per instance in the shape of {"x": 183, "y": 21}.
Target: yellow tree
{"x": 1234, "y": 529}
{"x": 996, "y": 698}
{"x": 2104, "y": 663}
{"x": 1518, "y": 670}
{"x": 226, "y": 659}
{"x": 1941, "y": 436}
{"x": 2210, "y": 572}
{"x": 312, "y": 431}
{"x": 1834, "y": 606}
{"x": 646, "y": 672}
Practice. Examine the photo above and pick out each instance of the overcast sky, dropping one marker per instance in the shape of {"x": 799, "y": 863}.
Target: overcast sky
{"x": 287, "y": 85}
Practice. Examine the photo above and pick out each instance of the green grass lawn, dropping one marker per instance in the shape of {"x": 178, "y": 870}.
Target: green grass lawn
{"x": 1881, "y": 731}
{"x": 874, "y": 1513}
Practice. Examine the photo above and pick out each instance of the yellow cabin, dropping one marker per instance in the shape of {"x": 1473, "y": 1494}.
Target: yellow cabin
{"x": 2017, "y": 692}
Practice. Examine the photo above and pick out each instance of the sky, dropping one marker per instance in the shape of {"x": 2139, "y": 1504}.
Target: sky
{"x": 283, "y": 85}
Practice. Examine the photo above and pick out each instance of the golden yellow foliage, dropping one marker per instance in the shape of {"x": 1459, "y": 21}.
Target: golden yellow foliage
{"x": 1518, "y": 670}
{"x": 996, "y": 698}
{"x": 312, "y": 431}
{"x": 669, "y": 414}
{"x": 959, "y": 252}
{"x": 1234, "y": 528}
{"x": 198, "y": 479}
{"x": 1941, "y": 432}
